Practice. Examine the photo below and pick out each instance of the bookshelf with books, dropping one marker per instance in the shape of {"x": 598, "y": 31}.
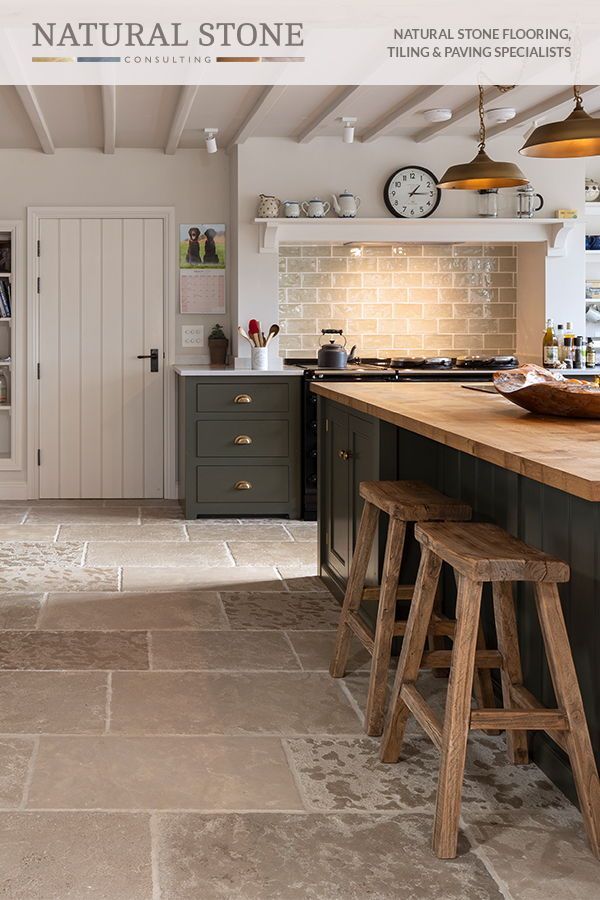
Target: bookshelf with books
{"x": 9, "y": 316}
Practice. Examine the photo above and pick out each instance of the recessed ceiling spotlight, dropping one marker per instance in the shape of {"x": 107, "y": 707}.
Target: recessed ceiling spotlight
{"x": 348, "y": 122}
{"x": 437, "y": 115}
{"x": 500, "y": 114}
{"x": 211, "y": 140}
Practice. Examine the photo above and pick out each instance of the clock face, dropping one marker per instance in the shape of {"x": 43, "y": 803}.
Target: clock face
{"x": 412, "y": 193}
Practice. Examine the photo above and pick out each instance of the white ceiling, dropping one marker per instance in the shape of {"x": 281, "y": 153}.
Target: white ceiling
{"x": 157, "y": 116}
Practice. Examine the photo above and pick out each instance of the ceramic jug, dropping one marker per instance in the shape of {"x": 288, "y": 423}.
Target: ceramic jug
{"x": 268, "y": 207}
{"x": 346, "y": 205}
{"x": 315, "y": 209}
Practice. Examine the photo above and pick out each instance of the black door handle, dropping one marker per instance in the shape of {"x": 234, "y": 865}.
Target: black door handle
{"x": 153, "y": 357}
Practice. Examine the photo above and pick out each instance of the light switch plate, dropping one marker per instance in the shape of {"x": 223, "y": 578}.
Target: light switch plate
{"x": 192, "y": 335}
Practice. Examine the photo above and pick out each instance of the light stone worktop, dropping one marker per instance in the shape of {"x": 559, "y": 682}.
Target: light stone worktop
{"x": 562, "y": 453}
{"x": 197, "y": 371}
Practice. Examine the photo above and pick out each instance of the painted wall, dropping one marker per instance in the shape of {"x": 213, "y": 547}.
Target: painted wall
{"x": 293, "y": 171}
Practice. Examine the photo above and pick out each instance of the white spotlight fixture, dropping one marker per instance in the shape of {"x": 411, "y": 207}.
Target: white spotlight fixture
{"x": 211, "y": 140}
{"x": 437, "y": 115}
{"x": 349, "y": 122}
{"x": 500, "y": 115}
{"x": 531, "y": 128}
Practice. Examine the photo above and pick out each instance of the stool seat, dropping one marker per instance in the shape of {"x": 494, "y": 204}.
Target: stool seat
{"x": 485, "y": 552}
{"x": 413, "y": 501}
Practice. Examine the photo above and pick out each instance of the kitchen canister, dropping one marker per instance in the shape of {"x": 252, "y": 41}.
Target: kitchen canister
{"x": 260, "y": 358}
{"x": 268, "y": 207}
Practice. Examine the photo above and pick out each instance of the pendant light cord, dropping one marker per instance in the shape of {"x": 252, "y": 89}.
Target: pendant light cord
{"x": 502, "y": 89}
{"x": 578, "y": 97}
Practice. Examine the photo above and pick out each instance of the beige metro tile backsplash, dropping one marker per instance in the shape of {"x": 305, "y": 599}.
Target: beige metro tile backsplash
{"x": 451, "y": 299}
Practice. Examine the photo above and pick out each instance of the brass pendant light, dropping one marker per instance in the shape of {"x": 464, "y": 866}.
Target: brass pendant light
{"x": 482, "y": 172}
{"x": 577, "y": 135}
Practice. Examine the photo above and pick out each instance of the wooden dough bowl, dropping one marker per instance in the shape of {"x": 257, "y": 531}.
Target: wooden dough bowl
{"x": 549, "y": 393}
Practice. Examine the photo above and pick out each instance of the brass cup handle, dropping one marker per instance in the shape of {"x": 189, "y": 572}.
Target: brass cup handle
{"x": 344, "y": 454}
{"x": 242, "y": 439}
{"x": 243, "y": 486}
{"x": 242, "y": 398}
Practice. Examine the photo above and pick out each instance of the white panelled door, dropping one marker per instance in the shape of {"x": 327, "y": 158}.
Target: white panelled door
{"x": 100, "y": 308}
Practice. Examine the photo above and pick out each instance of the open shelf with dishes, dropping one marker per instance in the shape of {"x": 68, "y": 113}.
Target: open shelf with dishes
{"x": 9, "y": 314}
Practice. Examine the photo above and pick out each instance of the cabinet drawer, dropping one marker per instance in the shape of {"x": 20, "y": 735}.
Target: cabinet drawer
{"x": 217, "y": 484}
{"x": 232, "y": 397}
{"x": 255, "y": 437}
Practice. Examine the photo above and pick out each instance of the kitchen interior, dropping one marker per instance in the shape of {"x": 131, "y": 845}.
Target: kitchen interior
{"x": 258, "y": 557}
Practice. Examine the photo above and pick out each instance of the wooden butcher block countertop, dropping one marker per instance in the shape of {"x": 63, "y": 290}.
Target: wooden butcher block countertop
{"x": 563, "y": 453}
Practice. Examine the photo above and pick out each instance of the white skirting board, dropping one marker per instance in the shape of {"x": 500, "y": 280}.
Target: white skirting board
{"x": 13, "y": 490}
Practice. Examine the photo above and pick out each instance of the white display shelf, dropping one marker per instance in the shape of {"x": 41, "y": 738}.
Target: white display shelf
{"x": 552, "y": 232}
{"x": 592, "y": 209}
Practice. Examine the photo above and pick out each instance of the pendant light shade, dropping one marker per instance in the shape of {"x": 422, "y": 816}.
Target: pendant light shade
{"x": 576, "y": 136}
{"x": 482, "y": 173}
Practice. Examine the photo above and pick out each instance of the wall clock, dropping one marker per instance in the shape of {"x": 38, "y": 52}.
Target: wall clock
{"x": 411, "y": 193}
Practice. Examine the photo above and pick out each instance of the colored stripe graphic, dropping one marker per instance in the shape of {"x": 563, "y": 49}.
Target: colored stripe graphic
{"x": 53, "y": 59}
{"x": 99, "y": 59}
{"x": 260, "y": 59}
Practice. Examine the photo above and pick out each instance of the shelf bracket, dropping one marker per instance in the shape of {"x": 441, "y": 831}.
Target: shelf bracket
{"x": 268, "y": 241}
{"x": 558, "y": 237}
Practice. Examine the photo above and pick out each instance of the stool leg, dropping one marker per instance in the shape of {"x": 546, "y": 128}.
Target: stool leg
{"x": 456, "y": 720}
{"x": 568, "y": 695}
{"x": 436, "y": 642}
{"x": 483, "y": 687}
{"x": 355, "y": 587}
{"x": 413, "y": 644}
{"x": 384, "y": 629}
{"x": 511, "y": 672}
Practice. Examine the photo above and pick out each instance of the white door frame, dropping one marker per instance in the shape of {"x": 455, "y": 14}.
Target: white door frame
{"x": 167, "y": 214}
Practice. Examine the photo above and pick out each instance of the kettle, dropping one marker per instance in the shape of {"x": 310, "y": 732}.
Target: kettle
{"x": 332, "y": 355}
{"x": 346, "y": 205}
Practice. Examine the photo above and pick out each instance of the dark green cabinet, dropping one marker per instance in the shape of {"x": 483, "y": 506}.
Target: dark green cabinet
{"x": 239, "y": 445}
{"x": 352, "y": 448}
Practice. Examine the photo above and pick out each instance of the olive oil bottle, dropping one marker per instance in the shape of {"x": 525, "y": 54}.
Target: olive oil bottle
{"x": 550, "y": 356}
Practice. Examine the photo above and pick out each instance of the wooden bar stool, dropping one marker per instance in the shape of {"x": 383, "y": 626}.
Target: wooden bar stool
{"x": 480, "y": 553}
{"x": 403, "y": 502}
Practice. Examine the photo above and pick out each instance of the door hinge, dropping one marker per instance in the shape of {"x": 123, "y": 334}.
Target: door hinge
{"x": 38, "y": 371}
{"x": 39, "y": 457}
{"x": 38, "y": 284}
{"x": 38, "y": 249}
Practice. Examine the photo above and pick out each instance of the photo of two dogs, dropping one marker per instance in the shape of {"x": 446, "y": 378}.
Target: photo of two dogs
{"x": 202, "y": 246}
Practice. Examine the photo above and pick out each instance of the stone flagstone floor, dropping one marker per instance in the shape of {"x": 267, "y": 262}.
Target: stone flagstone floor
{"x": 168, "y": 731}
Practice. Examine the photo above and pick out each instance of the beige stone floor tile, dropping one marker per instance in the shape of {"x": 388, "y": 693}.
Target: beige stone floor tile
{"x": 272, "y": 553}
{"x": 19, "y": 610}
{"x": 75, "y": 856}
{"x": 107, "y": 611}
{"x": 286, "y": 703}
{"x": 303, "y": 531}
{"x": 162, "y": 773}
{"x": 52, "y": 702}
{"x": 27, "y": 532}
{"x": 301, "y": 579}
{"x": 538, "y": 855}
{"x": 201, "y": 579}
{"x": 73, "y": 650}
{"x": 166, "y": 514}
{"x": 40, "y": 553}
{"x": 89, "y": 515}
{"x": 15, "y": 754}
{"x": 155, "y": 531}
{"x": 315, "y": 649}
{"x": 161, "y": 554}
{"x": 57, "y": 578}
{"x": 147, "y": 501}
{"x": 232, "y": 650}
{"x": 311, "y": 857}
{"x": 12, "y": 515}
{"x": 226, "y": 530}
{"x": 68, "y": 502}
{"x": 282, "y": 610}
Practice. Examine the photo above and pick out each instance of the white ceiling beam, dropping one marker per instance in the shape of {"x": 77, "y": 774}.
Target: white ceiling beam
{"x": 36, "y": 116}
{"x": 109, "y": 117}
{"x": 471, "y": 106}
{"x": 185, "y": 101}
{"x": 337, "y": 105}
{"x": 265, "y": 103}
{"x": 391, "y": 118}
{"x": 539, "y": 110}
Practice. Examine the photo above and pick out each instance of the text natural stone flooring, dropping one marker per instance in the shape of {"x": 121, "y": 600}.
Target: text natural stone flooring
{"x": 169, "y": 731}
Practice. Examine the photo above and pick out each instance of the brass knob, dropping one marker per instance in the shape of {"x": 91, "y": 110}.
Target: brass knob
{"x": 344, "y": 454}
{"x": 242, "y": 398}
{"x": 242, "y": 439}
{"x": 243, "y": 486}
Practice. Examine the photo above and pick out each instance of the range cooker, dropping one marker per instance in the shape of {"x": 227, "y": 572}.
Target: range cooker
{"x": 470, "y": 368}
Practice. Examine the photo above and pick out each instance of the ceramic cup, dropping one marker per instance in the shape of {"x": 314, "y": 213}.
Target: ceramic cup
{"x": 260, "y": 358}
{"x": 291, "y": 209}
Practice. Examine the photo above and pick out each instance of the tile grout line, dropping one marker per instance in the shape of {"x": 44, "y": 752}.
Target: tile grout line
{"x": 288, "y": 532}
{"x": 29, "y": 774}
{"x": 84, "y": 554}
{"x": 57, "y": 533}
{"x": 479, "y": 851}
{"x": 293, "y": 649}
{"x": 108, "y": 705}
{"x": 25, "y": 516}
{"x": 150, "y": 650}
{"x": 139, "y": 515}
{"x": 42, "y": 606}
{"x": 154, "y": 864}
{"x": 348, "y": 695}
{"x": 224, "y": 611}
{"x": 120, "y": 574}
{"x": 295, "y": 774}
{"x": 229, "y": 553}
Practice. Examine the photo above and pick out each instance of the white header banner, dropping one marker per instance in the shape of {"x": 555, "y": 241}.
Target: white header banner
{"x": 310, "y": 42}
